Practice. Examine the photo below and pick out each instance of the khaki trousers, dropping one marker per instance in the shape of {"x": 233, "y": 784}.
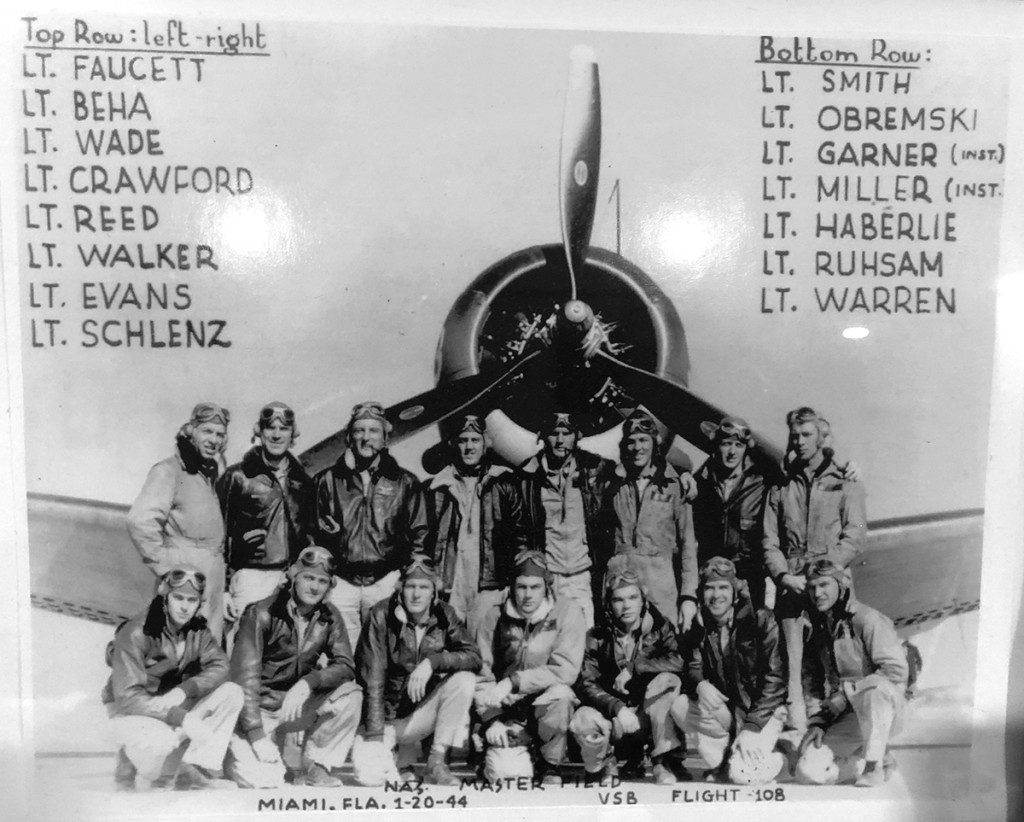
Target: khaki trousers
{"x": 576, "y": 588}
{"x": 471, "y": 606}
{"x": 249, "y": 585}
{"x": 355, "y": 602}
{"x": 793, "y": 644}
{"x": 544, "y": 717}
{"x": 323, "y": 734}
{"x": 156, "y": 749}
{"x": 712, "y": 729}
{"x": 443, "y": 714}
{"x": 876, "y": 716}
{"x": 597, "y": 734}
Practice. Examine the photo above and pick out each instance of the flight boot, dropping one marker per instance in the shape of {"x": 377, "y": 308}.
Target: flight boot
{"x": 670, "y": 770}
{"x": 438, "y": 772}
{"x": 196, "y": 778}
{"x": 872, "y": 776}
{"x": 546, "y": 773}
{"x": 124, "y": 772}
{"x": 609, "y": 769}
{"x": 317, "y": 776}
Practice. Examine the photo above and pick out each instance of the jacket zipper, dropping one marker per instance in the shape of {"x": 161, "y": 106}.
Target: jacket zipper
{"x": 810, "y": 488}
{"x": 409, "y": 626}
{"x": 301, "y": 641}
{"x": 726, "y": 507}
{"x": 639, "y": 496}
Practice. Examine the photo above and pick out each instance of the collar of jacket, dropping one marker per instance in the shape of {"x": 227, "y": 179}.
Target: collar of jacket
{"x": 188, "y": 456}
{"x": 279, "y": 607}
{"x": 707, "y": 472}
{"x": 585, "y": 461}
{"x": 828, "y": 468}
{"x": 387, "y": 466}
{"x": 156, "y": 620}
{"x": 662, "y": 476}
{"x": 568, "y": 466}
{"x": 253, "y": 463}
{"x": 398, "y": 615}
{"x": 446, "y": 477}
{"x": 542, "y": 612}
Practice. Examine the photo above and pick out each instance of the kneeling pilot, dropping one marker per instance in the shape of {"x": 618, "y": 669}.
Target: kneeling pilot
{"x": 737, "y": 679}
{"x": 171, "y": 705}
{"x": 629, "y": 682}
{"x": 855, "y": 678}
{"x": 299, "y": 720}
{"x": 418, "y": 663}
{"x": 532, "y": 647}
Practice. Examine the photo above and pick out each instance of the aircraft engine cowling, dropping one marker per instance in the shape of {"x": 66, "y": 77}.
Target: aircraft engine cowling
{"x": 514, "y": 307}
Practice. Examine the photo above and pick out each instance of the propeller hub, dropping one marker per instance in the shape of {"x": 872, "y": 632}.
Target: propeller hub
{"x": 578, "y": 313}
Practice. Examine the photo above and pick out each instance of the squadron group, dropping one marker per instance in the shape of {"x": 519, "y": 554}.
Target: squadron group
{"x": 519, "y": 620}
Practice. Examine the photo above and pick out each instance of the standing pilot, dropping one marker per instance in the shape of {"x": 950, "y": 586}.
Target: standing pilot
{"x": 169, "y": 699}
{"x": 651, "y": 522}
{"x": 267, "y": 500}
{"x": 476, "y": 524}
{"x": 563, "y": 490}
{"x": 370, "y": 514}
{"x": 728, "y": 511}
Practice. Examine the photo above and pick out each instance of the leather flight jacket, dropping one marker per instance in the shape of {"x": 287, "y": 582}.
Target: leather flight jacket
{"x": 751, "y": 675}
{"x": 267, "y": 523}
{"x": 389, "y": 652}
{"x": 269, "y": 656}
{"x": 371, "y": 531}
{"x": 733, "y": 527}
{"x": 655, "y": 651}
{"x": 501, "y": 524}
{"x": 145, "y": 663}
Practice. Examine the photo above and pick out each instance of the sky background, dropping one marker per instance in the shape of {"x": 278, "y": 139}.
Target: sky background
{"x": 394, "y": 164}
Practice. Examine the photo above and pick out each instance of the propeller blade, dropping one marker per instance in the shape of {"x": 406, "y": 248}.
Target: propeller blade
{"x": 424, "y": 409}
{"x": 580, "y": 158}
{"x": 682, "y": 410}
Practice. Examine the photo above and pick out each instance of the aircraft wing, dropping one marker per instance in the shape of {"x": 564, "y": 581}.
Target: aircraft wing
{"x": 921, "y": 569}
{"x": 916, "y": 570}
{"x": 81, "y": 561}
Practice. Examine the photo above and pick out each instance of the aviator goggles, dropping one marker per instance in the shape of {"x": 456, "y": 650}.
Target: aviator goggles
{"x": 370, "y": 410}
{"x": 729, "y": 427}
{"x": 718, "y": 568}
{"x": 367, "y": 409}
{"x": 179, "y": 577}
{"x": 825, "y": 568}
{"x": 640, "y": 424}
{"x": 472, "y": 422}
{"x": 277, "y": 411}
{"x": 620, "y": 579}
{"x": 559, "y": 419}
{"x": 315, "y": 557}
{"x": 531, "y": 563}
{"x": 210, "y": 412}
{"x": 420, "y": 567}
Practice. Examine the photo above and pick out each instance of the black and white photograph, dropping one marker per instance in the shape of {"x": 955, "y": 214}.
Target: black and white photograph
{"x": 452, "y": 416}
